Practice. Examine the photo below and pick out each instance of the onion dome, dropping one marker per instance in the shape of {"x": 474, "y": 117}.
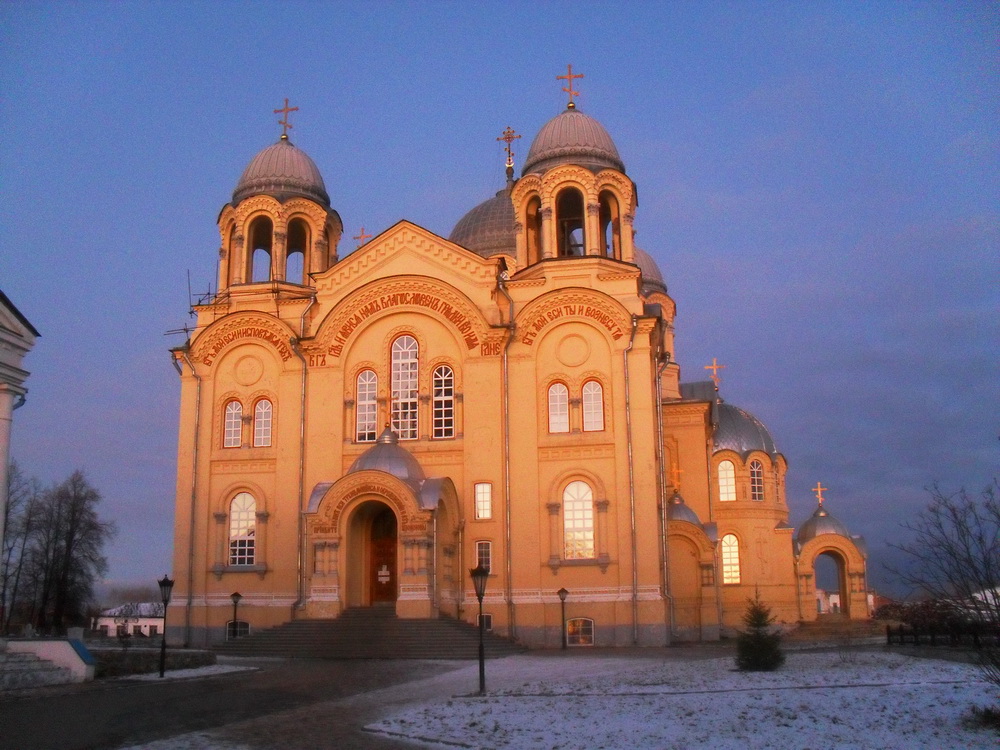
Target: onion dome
{"x": 387, "y": 455}
{"x": 488, "y": 229}
{"x": 740, "y": 431}
{"x": 282, "y": 171}
{"x": 572, "y": 138}
{"x": 821, "y": 522}
{"x": 678, "y": 510}
{"x": 652, "y": 279}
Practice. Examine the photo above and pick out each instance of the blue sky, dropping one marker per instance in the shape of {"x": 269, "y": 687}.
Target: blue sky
{"x": 819, "y": 183}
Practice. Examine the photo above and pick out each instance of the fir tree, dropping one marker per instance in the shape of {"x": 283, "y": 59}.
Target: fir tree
{"x": 758, "y": 648}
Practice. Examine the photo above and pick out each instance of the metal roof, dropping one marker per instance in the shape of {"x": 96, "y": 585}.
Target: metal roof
{"x": 282, "y": 171}
{"x": 572, "y": 138}
{"x": 740, "y": 431}
{"x": 488, "y": 229}
{"x": 388, "y": 456}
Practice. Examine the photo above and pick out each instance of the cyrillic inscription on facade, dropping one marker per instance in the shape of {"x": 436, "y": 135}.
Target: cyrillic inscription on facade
{"x": 535, "y": 326}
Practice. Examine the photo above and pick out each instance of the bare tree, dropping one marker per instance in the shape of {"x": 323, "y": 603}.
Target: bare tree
{"x": 21, "y": 519}
{"x": 955, "y": 558}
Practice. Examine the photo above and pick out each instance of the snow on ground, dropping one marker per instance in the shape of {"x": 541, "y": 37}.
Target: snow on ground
{"x": 817, "y": 700}
{"x": 186, "y": 674}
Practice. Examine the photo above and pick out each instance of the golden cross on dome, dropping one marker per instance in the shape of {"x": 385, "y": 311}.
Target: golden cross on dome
{"x": 675, "y": 475}
{"x": 362, "y": 237}
{"x": 715, "y": 367}
{"x": 284, "y": 123}
{"x": 569, "y": 87}
{"x": 509, "y": 136}
{"x": 818, "y": 489}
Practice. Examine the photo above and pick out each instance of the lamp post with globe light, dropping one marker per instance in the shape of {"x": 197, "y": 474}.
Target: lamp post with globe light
{"x": 166, "y": 586}
{"x": 479, "y": 575}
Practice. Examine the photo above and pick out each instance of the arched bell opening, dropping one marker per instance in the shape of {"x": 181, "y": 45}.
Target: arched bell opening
{"x": 298, "y": 242}
{"x": 830, "y": 575}
{"x": 372, "y": 556}
{"x": 261, "y": 246}
{"x": 571, "y": 239}
{"x": 611, "y": 227}
{"x": 533, "y": 228}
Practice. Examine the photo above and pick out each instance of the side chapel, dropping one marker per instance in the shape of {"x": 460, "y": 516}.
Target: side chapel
{"x": 359, "y": 429}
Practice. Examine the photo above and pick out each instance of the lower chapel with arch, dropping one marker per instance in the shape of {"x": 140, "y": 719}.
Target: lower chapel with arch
{"x": 360, "y": 430}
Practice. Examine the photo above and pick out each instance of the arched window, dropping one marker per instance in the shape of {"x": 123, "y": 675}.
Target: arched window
{"x": 558, "y": 408}
{"x": 242, "y": 527}
{"x": 569, "y": 217}
{"x": 580, "y": 631}
{"x": 366, "y": 407}
{"x": 262, "y": 424}
{"x": 261, "y": 237}
{"x": 578, "y": 521}
{"x": 533, "y": 229}
{"x": 443, "y": 383}
{"x": 593, "y": 406}
{"x": 610, "y": 226}
{"x": 296, "y": 251}
{"x": 730, "y": 559}
{"x": 404, "y": 387}
{"x": 756, "y": 481}
{"x": 233, "y": 437}
{"x": 727, "y": 481}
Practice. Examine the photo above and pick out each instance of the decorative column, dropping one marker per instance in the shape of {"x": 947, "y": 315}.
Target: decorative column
{"x": 221, "y": 544}
{"x": 549, "y": 239}
{"x": 240, "y": 269}
{"x": 279, "y": 256}
{"x": 350, "y": 421}
{"x": 555, "y": 546}
{"x": 592, "y": 229}
{"x": 603, "y": 558}
{"x": 424, "y": 416}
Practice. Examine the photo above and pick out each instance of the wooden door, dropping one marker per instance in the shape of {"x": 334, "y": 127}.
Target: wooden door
{"x": 382, "y": 558}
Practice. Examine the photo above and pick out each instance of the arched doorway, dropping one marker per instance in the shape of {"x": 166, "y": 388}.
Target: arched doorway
{"x": 372, "y": 556}
{"x": 830, "y": 574}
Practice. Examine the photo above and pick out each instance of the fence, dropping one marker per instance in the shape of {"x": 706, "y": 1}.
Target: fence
{"x": 968, "y": 635}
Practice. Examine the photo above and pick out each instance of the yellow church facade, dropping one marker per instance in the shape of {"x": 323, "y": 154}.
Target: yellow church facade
{"x": 360, "y": 429}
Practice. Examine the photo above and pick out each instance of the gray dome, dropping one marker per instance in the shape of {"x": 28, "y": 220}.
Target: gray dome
{"x": 740, "y": 431}
{"x": 386, "y": 455}
{"x": 488, "y": 229}
{"x": 678, "y": 510}
{"x": 821, "y": 522}
{"x": 652, "y": 279}
{"x": 282, "y": 171}
{"x": 572, "y": 138}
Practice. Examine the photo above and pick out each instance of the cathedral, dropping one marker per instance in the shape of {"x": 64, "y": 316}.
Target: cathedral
{"x": 361, "y": 428}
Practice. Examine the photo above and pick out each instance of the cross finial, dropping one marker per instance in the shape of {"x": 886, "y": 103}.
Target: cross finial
{"x": 361, "y": 239}
{"x": 819, "y": 489}
{"x": 284, "y": 123}
{"x": 509, "y": 136}
{"x": 715, "y": 367}
{"x": 568, "y": 88}
{"x": 675, "y": 476}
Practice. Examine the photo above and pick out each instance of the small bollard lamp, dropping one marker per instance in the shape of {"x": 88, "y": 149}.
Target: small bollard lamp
{"x": 166, "y": 587}
{"x": 563, "y": 593}
{"x": 235, "y": 596}
{"x": 479, "y": 575}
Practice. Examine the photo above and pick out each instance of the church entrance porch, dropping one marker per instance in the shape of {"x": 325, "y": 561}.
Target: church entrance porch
{"x": 371, "y": 564}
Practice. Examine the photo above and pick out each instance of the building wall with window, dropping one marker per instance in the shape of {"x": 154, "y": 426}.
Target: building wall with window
{"x": 360, "y": 428}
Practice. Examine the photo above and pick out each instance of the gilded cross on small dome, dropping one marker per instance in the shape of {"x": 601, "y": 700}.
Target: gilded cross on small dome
{"x": 361, "y": 240}
{"x": 284, "y": 123}
{"x": 509, "y": 136}
{"x": 715, "y": 367}
{"x": 675, "y": 475}
{"x": 568, "y": 88}
{"x": 819, "y": 489}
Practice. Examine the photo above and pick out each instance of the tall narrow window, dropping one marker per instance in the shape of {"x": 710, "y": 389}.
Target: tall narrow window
{"x": 558, "y": 408}
{"x": 727, "y": 481}
{"x": 484, "y": 500}
{"x": 366, "y": 406}
{"x": 730, "y": 559}
{"x": 262, "y": 424}
{"x": 444, "y": 402}
{"x": 233, "y": 437}
{"x": 242, "y": 525}
{"x": 756, "y": 481}
{"x": 404, "y": 387}
{"x": 593, "y": 406}
{"x": 297, "y": 249}
{"x": 261, "y": 237}
{"x": 569, "y": 215}
{"x": 484, "y": 554}
{"x": 533, "y": 230}
{"x": 578, "y": 521}
{"x": 610, "y": 226}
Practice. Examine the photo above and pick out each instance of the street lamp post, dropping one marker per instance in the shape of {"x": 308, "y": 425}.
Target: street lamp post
{"x": 479, "y": 575}
{"x": 235, "y": 596}
{"x": 563, "y": 593}
{"x": 166, "y": 586}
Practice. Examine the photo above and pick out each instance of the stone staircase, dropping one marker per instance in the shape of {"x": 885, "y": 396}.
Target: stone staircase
{"x": 24, "y": 670}
{"x": 837, "y": 628}
{"x": 371, "y": 633}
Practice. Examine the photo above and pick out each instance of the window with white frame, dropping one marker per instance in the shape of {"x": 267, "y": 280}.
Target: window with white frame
{"x": 558, "y": 408}
{"x": 405, "y": 357}
{"x": 593, "y": 406}
{"x": 484, "y": 554}
{"x": 756, "y": 480}
{"x": 443, "y": 385}
{"x": 578, "y": 521}
{"x": 242, "y": 529}
{"x": 730, "y": 559}
{"x": 233, "y": 436}
{"x": 366, "y": 407}
{"x": 262, "y": 423}
{"x": 580, "y": 631}
{"x": 484, "y": 500}
{"x": 727, "y": 481}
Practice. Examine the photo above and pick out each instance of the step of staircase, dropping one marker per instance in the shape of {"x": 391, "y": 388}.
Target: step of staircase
{"x": 371, "y": 633}
{"x": 23, "y": 670}
{"x": 828, "y": 627}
